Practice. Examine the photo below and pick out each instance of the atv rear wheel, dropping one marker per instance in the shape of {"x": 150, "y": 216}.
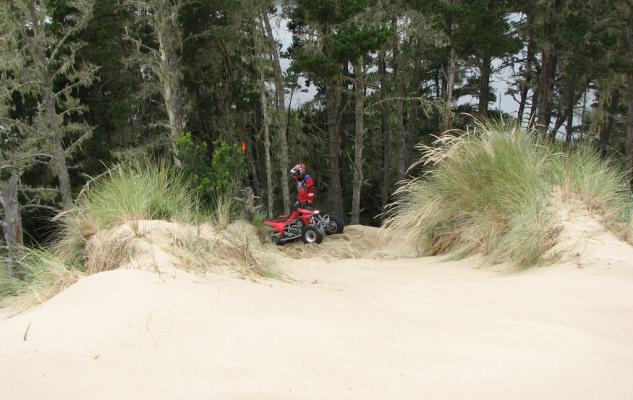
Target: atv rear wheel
{"x": 334, "y": 225}
{"x": 311, "y": 234}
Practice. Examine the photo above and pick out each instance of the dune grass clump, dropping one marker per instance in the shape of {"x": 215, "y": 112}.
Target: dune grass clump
{"x": 485, "y": 191}
{"x": 139, "y": 190}
{"x": 601, "y": 185}
{"x": 494, "y": 190}
{"x": 108, "y": 227}
{"x": 35, "y": 274}
{"x": 236, "y": 249}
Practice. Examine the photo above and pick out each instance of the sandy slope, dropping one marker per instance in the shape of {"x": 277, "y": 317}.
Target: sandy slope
{"x": 341, "y": 328}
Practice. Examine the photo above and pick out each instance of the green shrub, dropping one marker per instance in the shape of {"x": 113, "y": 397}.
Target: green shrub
{"x": 228, "y": 167}
{"x": 195, "y": 162}
{"x": 213, "y": 177}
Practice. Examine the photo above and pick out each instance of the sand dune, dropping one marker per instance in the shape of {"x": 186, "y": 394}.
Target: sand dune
{"x": 349, "y": 325}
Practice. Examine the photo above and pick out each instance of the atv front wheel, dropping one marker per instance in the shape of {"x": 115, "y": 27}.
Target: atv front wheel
{"x": 310, "y": 234}
{"x": 275, "y": 237}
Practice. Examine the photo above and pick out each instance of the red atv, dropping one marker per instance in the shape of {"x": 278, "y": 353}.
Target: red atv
{"x": 304, "y": 222}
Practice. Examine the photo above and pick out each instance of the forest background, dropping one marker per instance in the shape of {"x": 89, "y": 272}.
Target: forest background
{"x": 208, "y": 85}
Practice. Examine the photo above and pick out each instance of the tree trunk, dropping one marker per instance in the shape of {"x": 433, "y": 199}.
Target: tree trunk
{"x": 629, "y": 116}
{"x": 359, "y": 133}
{"x": 582, "y": 116}
{"x": 168, "y": 45}
{"x": 59, "y": 159}
{"x": 571, "y": 102}
{"x": 12, "y": 224}
{"x": 334, "y": 142}
{"x": 548, "y": 62}
{"x": 332, "y": 100}
{"x": 415, "y": 105}
{"x": 50, "y": 112}
{"x": 569, "y": 128}
{"x": 266, "y": 133}
{"x": 172, "y": 98}
{"x": 525, "y": 87}
{"x": 629, "y": 129}
{"x": 282, "y": 120}
{"x": 484, "y": 86}
{"x": 533, "y": 108}
{"x": 399, "y": 108}
{"x": 386, "y": 137}
{"x": 59, "y": 154}
{"x": 438, "y": 86}
{"x": 249, "y": 203}
{"x": 250, "y": 156}
{"x": 448, "y": 74}
{"x": 605, "y": 133}
{"x": 552, "y": 82}
{"x": 572, "y": 98}
{"x": 448, "y": 98}
{"x": 485, "y": 72}
{"x": 543, "y": 101}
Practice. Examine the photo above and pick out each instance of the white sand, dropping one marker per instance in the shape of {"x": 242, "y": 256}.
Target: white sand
{"x": 378, "y": 328}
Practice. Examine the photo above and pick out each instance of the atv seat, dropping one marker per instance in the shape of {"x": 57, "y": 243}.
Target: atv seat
{"x": 305, "y": 206}
{"x": 283, "y": 218}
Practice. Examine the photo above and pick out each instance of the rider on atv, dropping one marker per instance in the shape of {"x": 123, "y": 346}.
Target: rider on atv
{"x": 305, "y": 185}
{"x": 304, "y": 221}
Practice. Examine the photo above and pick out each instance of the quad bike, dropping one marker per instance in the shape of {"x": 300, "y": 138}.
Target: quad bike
{"x": 304, "y": 222}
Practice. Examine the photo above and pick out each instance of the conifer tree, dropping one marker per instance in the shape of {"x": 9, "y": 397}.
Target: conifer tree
{"x": 39, "y": 58}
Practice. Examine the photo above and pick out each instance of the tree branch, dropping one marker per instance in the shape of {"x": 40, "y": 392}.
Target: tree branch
{"x": 38, "y": 189}
{"x": 71, "y": 30}
{"x": 18, "y": 123}
{"x": 420, "y": 99}
{"x": 69, "y": 87}
{"x": 40, "y": 206}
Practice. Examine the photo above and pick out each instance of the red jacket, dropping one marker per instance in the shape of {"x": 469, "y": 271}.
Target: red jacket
{"x": 306, "y": 190}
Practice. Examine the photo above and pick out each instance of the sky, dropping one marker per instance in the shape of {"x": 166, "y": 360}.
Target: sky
{"x": 284, "y": 36}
